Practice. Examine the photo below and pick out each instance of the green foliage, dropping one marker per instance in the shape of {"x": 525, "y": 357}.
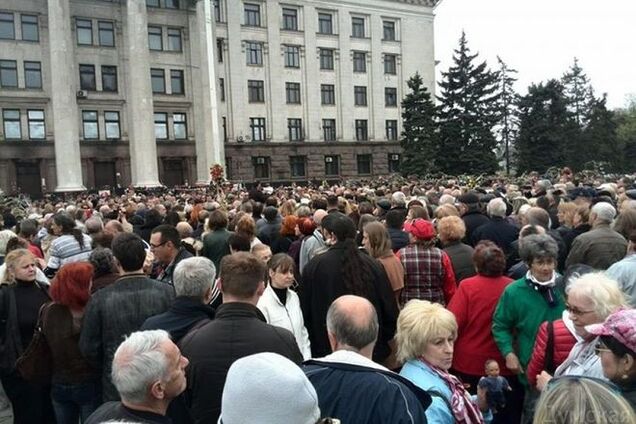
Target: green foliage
{"x": 626, "y": 135}
{"x": 467, "y": 115}
{"x": 508, "y": 124}
{"x": 419, "y": 136}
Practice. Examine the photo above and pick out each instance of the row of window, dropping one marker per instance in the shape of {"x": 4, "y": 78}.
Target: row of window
{"x": 298, "y": 165}
{"x": 9, "y": 74}
{"x": 12, "y": 124}
{"x": 85, "y": 35}
{"x": 295, "y": 129}
{"x": 158, "y": 81}
{"x": 28, "y": 25}
{"x": 88, "y": 78}
{"x": 166, "y": 4}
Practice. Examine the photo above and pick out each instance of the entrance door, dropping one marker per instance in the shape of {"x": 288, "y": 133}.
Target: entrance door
{"x": 28, "y": 178}
{"x": 173, "y": 172}
{"x": 104, "y": 174}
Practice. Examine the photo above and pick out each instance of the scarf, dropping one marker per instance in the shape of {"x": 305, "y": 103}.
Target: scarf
{"x": 462, "y": 407}
{"x": 545, "y": 288}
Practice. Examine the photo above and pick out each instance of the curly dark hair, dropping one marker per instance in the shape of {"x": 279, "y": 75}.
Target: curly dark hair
{"x": 489, "y": 259}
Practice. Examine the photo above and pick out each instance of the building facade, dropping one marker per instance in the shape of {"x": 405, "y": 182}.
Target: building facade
{"x": 98, "y": 93}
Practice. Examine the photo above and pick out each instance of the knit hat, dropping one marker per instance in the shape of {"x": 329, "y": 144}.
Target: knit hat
{"x": 267, "y": 388}
{"x": 621, "y": 325}
{"x": 420, "y": 228}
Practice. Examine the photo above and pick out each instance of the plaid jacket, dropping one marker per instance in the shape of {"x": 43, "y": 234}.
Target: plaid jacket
{"x": 427, "y": 274}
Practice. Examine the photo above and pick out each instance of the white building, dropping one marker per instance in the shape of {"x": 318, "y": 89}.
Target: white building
{"x": 98, "y": 93}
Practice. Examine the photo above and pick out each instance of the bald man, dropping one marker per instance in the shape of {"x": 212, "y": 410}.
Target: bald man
{"x": 349, "y": 384}
{"x": 314, "y": 243}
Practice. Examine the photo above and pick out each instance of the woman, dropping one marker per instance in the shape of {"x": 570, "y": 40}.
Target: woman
{"x": 617, "y": 351}
{"x": 377, "y": 242}
{"x": 473, "y": 306}
{"x": 75, "y": 384}
{"x": 287, "y": 235}
{"x": 246, "y": 227}
{"x": 71, "y": 246}
{"x": 591, "y": 298}
{"x": 417, "y": 211}
{"x": 281, "y": 305}
{"x": 425, "y": 337}
{"x": 451, "y": 231}
{"x": 304, "y": 228}
{"x": 580, "y": 225}
{"x": 362, "y": 222}
{"x": 428, "y": 270}
{"x": 565, "y": 214}
{"x": 21, "y": 297}
{"x": 104, "y": 268}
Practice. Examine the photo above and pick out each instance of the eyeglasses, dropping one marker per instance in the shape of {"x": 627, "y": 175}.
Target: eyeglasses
{"x": 600, "y": 348}
{"x": 576, "y": 311}
{"x": 154, "y": 246}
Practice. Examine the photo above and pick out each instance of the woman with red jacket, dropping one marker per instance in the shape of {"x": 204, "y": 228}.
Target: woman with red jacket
{"x": 563, "y": 339}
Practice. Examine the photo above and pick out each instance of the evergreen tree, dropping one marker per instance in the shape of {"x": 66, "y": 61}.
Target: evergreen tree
{"x": 508, "y": 122}
{"x": 544, "y": 127}
{"x": 467, "y": 115}
{"x": 626, "y": 135}
{"x": 419, "y": 137}
{"x": 578, "y": 92}
{"x": 599, "y": 139}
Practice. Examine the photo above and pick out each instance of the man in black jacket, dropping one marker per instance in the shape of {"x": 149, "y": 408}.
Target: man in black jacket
{"x": 498, "y": 230}
{"x": 239, "y": 329}
{"x": 470, "y": 211}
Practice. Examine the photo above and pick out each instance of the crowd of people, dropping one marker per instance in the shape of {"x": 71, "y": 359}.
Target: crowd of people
{"x": 390, "y": 301}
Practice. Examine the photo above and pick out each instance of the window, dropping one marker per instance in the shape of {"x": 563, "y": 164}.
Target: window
{"x": 325, "y": 23}
{"x": 329, "y": 129}
{"x": 295, "y": 129}
{"x": 222, "y": 89}
{"x": 357, "y": 27}
{"x": 261, "y": 167}
{"x": 84, "y": 32}
{"x": 332, "y": 165}
{"x": 257, "y": 125}
{"x": 361, "y": 130}
{"x": 11, "y": 119}
{"x": 254, "y": 52}
{"x": 30, "y": 28}
{"x": 292, "y": 92}
{"x": 390, "y": 97}
{"x": 391, "y": 129}
{"x": 394, "y": 162}
{"x": 158, "y": 82}
{"x": 326, "y": 59}
{"x": 109, "y": 78}
{"x": 89, "y": 124}
{"x": 364, "y": 164}
{"x": 174, "y": 39}
{"x": 292, "y": 57}
{"x": 152, "y": 3}
{"x": 111, "y": 119}
{"x": 290, "y": 19}
{"x": 7, "y": 29}
{"x": 219, "y": 50}
{"x": 297, "y": 166}
{"x": 172, "y": 4}
{"x": 32, "y": 74}
{"x": 256, "y": 91}
{"x": 155, "y": 39}
{"x": 217, "y": 10}
{"x": 106, "y": 33}
{"x": 180, "y": 126}
{"x": 252, "y": 14}
{"x": 390, "y": 64}
{"x": 36, "y": 124}
{"x": 161, "y": 126}
{"x": 359, "y": 62}
{"x": 87, "y": 77}
{"x": 360, "y": 95}
{"x": 388, "y": 30}
{"x": 327, "y": 94}
{"x": 176, "y": 82}
{"x": 8, "y": 74}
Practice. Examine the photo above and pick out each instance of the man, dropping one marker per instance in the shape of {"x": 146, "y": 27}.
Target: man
{"x": 498, "y": 230}
{"x": 215, "y": 243}
{"x": 121, "y": 308}
{"x": 270, "y": 230}
{"x": 262, "y": 252}
{"x": 394, "y": 221}
{"x": 624, "y": 271}
{"x": 350, "y": 386}
{"x": 601, "y": 246}
{"x": 193, "y": 285}
{"x": 28, "y": 231}
{"x": 470, "y": 211}
{"x": 314, "y": 243}
{"x": 165, "y": 244}
{"x": 148, "y": 372}
{"x": 238, "y": 329}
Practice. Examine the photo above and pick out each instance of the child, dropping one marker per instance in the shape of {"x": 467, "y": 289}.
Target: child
{"x": 495, "y": 386}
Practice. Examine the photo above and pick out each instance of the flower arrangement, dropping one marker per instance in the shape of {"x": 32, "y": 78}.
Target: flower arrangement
{"x": 216, "y": 174}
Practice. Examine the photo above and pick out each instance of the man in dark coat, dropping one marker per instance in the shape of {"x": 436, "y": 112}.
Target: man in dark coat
{"x": 165, "y": 243}
{"x": 215, "y": 243}
{"x": 394, "y": 221}
{"x": 239, "y": 329}
{"x": 498, "y": 230}
{"x": 470, "y": 210}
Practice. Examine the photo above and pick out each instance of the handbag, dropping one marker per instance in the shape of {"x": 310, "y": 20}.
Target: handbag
{"x": 35, "y": 365}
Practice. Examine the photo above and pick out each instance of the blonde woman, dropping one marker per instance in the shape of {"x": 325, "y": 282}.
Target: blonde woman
{"x": 377, "y": 241}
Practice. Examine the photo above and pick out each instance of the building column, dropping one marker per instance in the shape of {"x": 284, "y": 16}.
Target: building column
{"x": 209, "y": 143}
{"x": 65, "y": 120}
{"x": 142, "y": 144}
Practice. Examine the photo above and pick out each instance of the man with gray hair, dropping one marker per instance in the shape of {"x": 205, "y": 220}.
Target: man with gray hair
{"x": 313, "y": 244}
{"x": 350, "y": 386}
{"x": 498, "y": 229}
{"x": 149, "y": 372}
{"x": 601, "y": 246}
{"x": 193, "y": 283}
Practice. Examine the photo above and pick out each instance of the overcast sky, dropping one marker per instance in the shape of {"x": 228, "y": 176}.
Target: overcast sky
{"x": 540, "y": 39}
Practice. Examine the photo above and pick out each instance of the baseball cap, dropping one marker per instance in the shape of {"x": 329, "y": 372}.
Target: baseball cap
{"x": 621, "y": 325}
{"x": 420, "y": 228}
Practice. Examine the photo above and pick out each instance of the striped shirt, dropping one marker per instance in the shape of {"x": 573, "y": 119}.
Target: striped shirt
{"x": 65, "y": 249}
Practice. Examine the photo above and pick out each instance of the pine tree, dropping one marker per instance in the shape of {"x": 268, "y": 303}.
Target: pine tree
{"x": 508, "y": 123}
{"x": 578, "y": 93}
{"x": 419, "y": 137}
{"x": 467, "y": 115}
{"x": 599, "y": 139}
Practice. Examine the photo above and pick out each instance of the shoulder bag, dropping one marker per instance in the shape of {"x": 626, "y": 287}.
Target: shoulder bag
{"x": 36, "y": 363}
